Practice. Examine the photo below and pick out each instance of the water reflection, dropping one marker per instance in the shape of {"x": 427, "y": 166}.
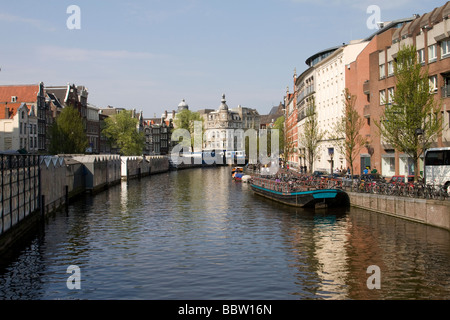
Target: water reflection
{"x": 196, "y": 234}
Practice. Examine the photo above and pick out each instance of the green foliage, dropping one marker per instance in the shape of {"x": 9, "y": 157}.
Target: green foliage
{"x": 67, "y": 135}
{"x": 187, "y": 119}
{"x": 121, "y": 131}
{"x": 311, "y": 135}
{"x": 413, "y": 107}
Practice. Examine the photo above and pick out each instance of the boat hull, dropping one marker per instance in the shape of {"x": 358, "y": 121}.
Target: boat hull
{"x": 306, "y": 199}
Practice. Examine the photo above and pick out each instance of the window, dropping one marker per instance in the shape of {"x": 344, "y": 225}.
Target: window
{"x": 382, "y": 97}
{"x": 390, "y": 95}
{"x": 445, "y": 48}
{"x": 421, "y": 56}
{"x": 437, "y": 158}
{"x": 390, "y": 68}
{"x": 382, "y": 71}
{"x": 13, "y": 99}
{"x": 432, "y": 54}
{"x": 433, "y": 84}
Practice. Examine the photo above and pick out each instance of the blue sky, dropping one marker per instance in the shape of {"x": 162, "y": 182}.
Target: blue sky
{"x": 149, "y": 55}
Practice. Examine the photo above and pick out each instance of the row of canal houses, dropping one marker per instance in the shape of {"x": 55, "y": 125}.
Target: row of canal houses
{"x": 28, "y": 111}
{"x": 366, "y": 68}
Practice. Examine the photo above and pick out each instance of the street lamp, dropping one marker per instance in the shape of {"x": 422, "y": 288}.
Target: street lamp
{"x": 331, "y": 154}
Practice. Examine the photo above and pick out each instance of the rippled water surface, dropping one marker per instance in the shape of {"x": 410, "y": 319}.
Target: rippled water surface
{"x": 196, "y": 234}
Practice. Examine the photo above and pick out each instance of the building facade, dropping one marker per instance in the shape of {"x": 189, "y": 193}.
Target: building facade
{"x": 158, "y": 136}
{"x": 429, "y": 34}
{"x": 19, "y": 129}
{"x": 11, "y": 97}
{"x": 225, "y": 128}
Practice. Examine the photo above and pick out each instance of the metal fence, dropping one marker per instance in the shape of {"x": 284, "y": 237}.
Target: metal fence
{"x": 19, "y": 193}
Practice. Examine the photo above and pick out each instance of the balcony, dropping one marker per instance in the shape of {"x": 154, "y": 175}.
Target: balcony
{"x": 366, "y": 87}
{"x": 366, "y": 111}
{"x": 445, "y": 91}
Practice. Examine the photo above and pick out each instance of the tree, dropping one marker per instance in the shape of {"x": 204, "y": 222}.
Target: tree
{"x": 413, "y": 119}
{"x": 67, "y": 134}
{"x": 346, "y": 133}
{"x": 186, "y": 119}
{"x": 121, "y": 131}
{"x": 311, "y": 135}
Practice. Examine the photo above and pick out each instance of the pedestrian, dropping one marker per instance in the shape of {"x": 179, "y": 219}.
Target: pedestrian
{"x": 366, "y": 170}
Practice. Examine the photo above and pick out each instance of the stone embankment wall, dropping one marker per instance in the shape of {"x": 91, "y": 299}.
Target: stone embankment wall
{"x": 61, "y": 178}
{"x": 431, "y": 212}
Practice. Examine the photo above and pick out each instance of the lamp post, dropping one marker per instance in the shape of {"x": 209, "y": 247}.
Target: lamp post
{"x": 331, "y": 154}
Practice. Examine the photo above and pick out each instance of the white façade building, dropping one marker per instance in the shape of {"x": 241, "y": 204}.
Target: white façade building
{"x": 328, "y": 85}
{"x": 225, "y": 127}
{"x": 19, "y": 129}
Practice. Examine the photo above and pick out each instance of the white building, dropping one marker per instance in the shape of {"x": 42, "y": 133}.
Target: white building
{"x": 225, "y": 128}
{"x": 19, "y": 129}
{"x": 326, "y": 81}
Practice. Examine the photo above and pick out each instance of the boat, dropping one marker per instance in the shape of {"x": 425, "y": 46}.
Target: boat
{"x": 299, "y": 196}
{"x": 237, "y": 171}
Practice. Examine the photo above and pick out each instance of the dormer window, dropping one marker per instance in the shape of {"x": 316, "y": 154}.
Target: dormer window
{"x": 14, "y": 99}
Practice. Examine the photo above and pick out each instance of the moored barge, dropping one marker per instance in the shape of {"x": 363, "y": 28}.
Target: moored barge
{"x": 299, "y": 195}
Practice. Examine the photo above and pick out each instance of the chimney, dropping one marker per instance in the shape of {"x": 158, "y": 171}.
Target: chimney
{"x": 6, "y": 112}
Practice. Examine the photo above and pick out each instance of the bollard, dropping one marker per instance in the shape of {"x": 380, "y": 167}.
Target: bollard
{"x": 43, "y": 206}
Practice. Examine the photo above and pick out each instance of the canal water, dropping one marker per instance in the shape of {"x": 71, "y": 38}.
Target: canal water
{"x": 196, "y": 234}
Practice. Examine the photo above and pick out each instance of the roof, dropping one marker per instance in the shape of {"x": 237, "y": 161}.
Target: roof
{"x": 273, "y": 115}
{"x": 24, "y": 93}
{"x": 55, "y": 100}
{"x": 12, "y": 110}
{"x": 320, "y": 53}
{"x": 223, "y": 105}
{"x": 60, "y": 93}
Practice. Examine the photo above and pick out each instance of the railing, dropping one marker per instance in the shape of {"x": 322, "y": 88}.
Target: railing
{"x": 287, "y": 184}
{"x": 411, "y": 189}
{"x": 19, "y": 186}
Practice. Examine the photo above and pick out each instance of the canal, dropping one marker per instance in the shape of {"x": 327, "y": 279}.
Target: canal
{"x": 196, "y": 234}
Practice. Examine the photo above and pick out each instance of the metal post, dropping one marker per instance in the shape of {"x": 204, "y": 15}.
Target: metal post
{"x": 3, "y": 194}
{"x": 42, "y": 205}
